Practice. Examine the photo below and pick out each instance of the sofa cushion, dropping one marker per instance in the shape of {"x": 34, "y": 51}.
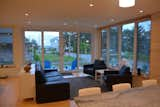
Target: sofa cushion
{"x": 52, "y": 74}
{"x": 56, "y": 78}
{"x": 62, "y": 81}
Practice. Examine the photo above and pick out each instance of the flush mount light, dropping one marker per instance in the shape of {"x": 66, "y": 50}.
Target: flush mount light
{"x": 29, "y": 22}
{"x": 91, "y": 4}
{"x": 26, "y": 14}
{"x": 126, "y": 3}
{"x": 112, "y": 20}
{"x": 141, "y": 11}
{"x": 65, "y": 23}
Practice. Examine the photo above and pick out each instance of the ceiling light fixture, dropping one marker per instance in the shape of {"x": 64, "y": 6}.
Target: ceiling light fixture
{"x": 126, "y": 3}
{"x": 26, "y": 14}
{"x": 29, "y": 22}
{"x": 112, "y": 20}
{"x": 91, "y": 4}
{"x": 141, "y": 11}
{"x": 65, "y": 23}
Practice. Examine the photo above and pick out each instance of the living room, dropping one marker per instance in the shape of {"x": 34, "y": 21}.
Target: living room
{"x": 84, "y": 24}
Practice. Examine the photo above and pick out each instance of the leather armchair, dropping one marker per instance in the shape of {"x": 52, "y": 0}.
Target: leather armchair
{"x": 90, "y": 68}
{"x": 115, "y": 77}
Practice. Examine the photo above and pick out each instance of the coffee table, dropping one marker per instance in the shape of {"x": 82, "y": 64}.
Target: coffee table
{"x": 101, "y": 72}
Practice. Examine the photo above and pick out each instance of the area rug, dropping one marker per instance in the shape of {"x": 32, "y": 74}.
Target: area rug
{"x": 83, "y": 82}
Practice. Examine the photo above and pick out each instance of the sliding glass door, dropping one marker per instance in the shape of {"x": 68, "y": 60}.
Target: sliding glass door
{"x": 134, "y": 40}
{"x": 70, "y": 50}
{"x": 104, "y": 45}
{"x": 113, "y": 44}
{"x": 143, "y": 46}
{"x": 66, "y": 52}
{"x": 127, "y": 44}
{"x": 51, "y": 49}
{"x": 84, "y": 49}
{"x": 33, "y": 46}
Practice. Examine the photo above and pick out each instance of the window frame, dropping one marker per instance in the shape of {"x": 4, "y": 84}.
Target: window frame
{"x": 136, "y": 21}
{"x": 61, "y": 45}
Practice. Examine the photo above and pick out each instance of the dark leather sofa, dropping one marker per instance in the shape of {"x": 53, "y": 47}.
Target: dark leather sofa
{"x": 50, "y": 86}
{"x": 115, "y": 77}
{"x": 90, "y": 68}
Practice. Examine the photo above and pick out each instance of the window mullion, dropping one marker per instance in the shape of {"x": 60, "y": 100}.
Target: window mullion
{"x": 78, "y": 45}
{"x": 135, "y": 49}
{"x": 108, "y": 46}
{"x": 61, "y": 52}
{"x": 119, "y": 43}
{"x": 42, "y": 41}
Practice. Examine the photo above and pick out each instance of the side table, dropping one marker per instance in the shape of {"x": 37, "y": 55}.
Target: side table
{"x": 101, "y": 72}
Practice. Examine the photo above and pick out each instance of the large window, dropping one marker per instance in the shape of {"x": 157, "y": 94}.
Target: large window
{"x": 70, "y": 50}
{"x": 33, "y": 46}
{"x": 6, "y": 46}
{"x": 143, "y": 46}
{"x": 127, "y": 39}
{"x": 51, "y": 49}
{"x": 103, "y": 45}
{"x": 134, "y": 46}
{"x": 113, "y": 46}
{"x": 85, "y": 49}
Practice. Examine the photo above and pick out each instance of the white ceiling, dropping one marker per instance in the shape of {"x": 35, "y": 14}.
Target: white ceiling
{"x": 71, "y": 12}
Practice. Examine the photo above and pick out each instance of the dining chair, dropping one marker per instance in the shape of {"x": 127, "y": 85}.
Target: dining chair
{"x": 149, "y": 82}
{"x": 89, "y": 91}
{"x": 121, "y": 86}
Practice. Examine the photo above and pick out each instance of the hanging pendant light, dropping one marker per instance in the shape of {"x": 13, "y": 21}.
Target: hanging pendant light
{"x": 126, "y": 3}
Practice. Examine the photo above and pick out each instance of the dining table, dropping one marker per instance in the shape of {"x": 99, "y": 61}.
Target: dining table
{"x": 134, "y": 97}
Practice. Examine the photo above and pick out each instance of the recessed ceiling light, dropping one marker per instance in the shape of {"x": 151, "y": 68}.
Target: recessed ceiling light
{"x": 29, "y": 22}
{"x": 91, "y": 5}
{"x": 65, "y": 23}
{"x": 141, "y": 11}
{"x": 26, "y": 14}
{"x": 112, "y": 20}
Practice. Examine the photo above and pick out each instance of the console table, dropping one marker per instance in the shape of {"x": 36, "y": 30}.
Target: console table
{"x": 27, "y": 83}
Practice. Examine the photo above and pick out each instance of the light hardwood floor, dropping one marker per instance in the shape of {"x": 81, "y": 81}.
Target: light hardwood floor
{"x": 9, "y": 96}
